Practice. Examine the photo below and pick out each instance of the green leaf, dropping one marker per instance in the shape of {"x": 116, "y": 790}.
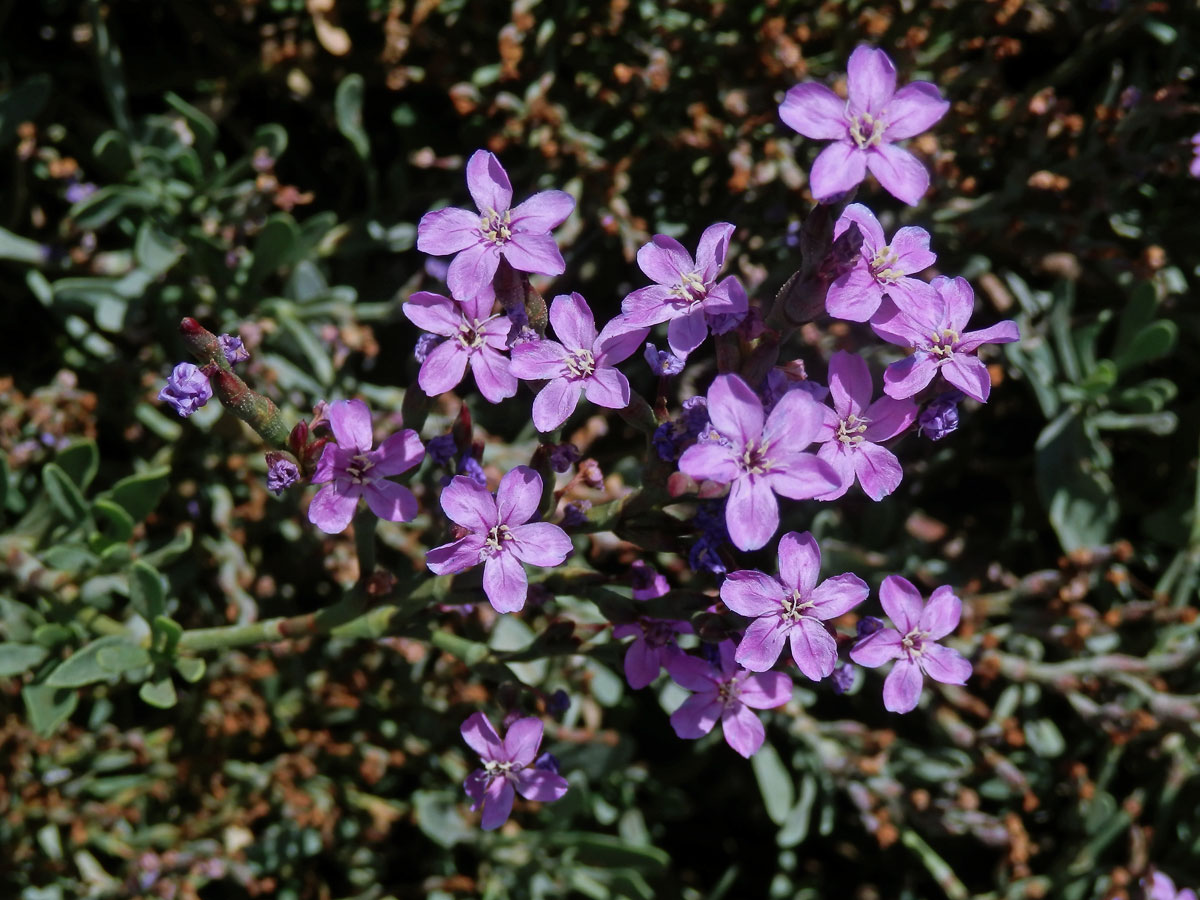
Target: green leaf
{"x": 146, "y": 590}
{"x": 48, "y": 707}
{"x": 1137, "y": 314}
{"x": 51, "y": 635}
{"x": 20, "y": 249}
{"x": 63, "y": 493}
{"x": 347, "y": 107}
{"x": 1153, "y": 342}
{"x": 610, "y": 852}
{"x": 18, "y": 658}
{"x": 23, "y": 103}
{"x": 120, "y": 522}
{"x": 73, "y": 558}
{"x": 273, "y": 138}
{"x": 203, "y": 128}
{"x": 113, "y": 155}
{"x": 80, "y": 460}
{"x": 190, "y": 668}
{"x": 1045, "y": 738}
{"x": 159, "y": 693}
{"x": 1101, "y": 379}
{"x": 139, "y": 494}
{"x": 108, "y": 203}
{"x": 794, "y": 828}
{"x": 315, "y": 352}
{"x": 171, "y": 551}
{"x": 171, "y": 632}
{"x": 274, "y": 248}
{"x": 155, "y": 250}
{"x": 1073, "y": 484}
{"x": 83, "y": 666}
{"x": 438, "y": 817}
{"x": 774, "y": 783}
{"x": 122, "y": 657}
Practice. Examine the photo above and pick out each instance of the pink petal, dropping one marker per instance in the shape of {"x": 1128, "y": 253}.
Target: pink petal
{"x": 391, "y": 501}
{"x": 693, "y": 673}
{"x": 648, "y": 306}
{"x": 915, "y": 108}
{"x": 750, "y": 592}
{"x": 766, "y": 690}
{"x": 714, "y": 245}
{"x": 398, "y": 453}
{"x": 541, "y": 544}
{"x": 909, "y": 376}
{"x": 472, "y": 270}
{"x": 446, "y": 231}
{"x": 761, "y": 644}
{"x": 536, "y": 253}
{"x": 793, "y": 424}
{"x": 505, "y": 583}
{"x": 443, "y": 368}
{"x": 804, "y": 477}
{"x": 850, "y": 383}
{"x": 457, "y": 556}
{"x": 522, "y": 740}
{"x": 841, "y": 460}
{"x": 854, "y": 295}
{"x": 799, "y": 561}
{"x": 735, "y": 410}
{"x": 696, "y": 717}
{"x": 709, "y": 461}
{"x": 433, "y": 313}
{"x": 573, "y": 321}
{"x": 902, "y": 687}
{"x": 911, "y": 246}
{"x": 752, "y": 513}
{"x": 838, "y": 595}
{"x": 497, "y": 804}
{"x": 868, "y": 225}
{"x": 743, "y": 731}
{"x": 333, "y": 461}
{"x": 351, "y": 424}
{"x": 608, "y": 388}
{"x": 902, "y": 602}
{"x": 538, "y": 360}
{"x": 641, "y": 664}
{"x": 617, "y": 341}
{"x": 941, "y": 614}
{"x": 543, "y": 211}
{"x": 870, "y": 80}
{"x": 876, "y": 649}
{"x": 837, "y": 169}
{"x": 469, "y": 504}
{"x": 665, "y": 260}
{"x": 554, "y": 404}
{"x": 945, "y": 665}
{"x": 727, "y": 298}
{"x": 546, "y": 787}
{"x": 332, "y": 509}
{"x": 889, "y": 417}
{"x": 959, "y": 301}
{"x": 477, "y": 307}
{"x": 481, "y": 737}
{"x": 1001, "y": 333}
{"x": 901, "y": 174}
{"x": 518, "y": 496}
{"x": 969, "y": 375}
{"x": 911, "y": 327}
{"x": 687, "y": 332}
{"x": 493, "y": 375}
{"x": 813, "y": 648}
{"x": 815, "y": 111}
{"x": 877, "y": 469}
{"x": 488, "y": 182}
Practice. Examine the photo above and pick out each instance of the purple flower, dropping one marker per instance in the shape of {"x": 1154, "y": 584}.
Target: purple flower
{"x": 584, "y": 361}
{"x": 354, "y": 470}
{"x": 762, "y": 459}
{"x": 705, "y": 555}
{"x": 880, "y": 268}
{"x": 940, "y": 417}
{"x": 425, "y": 344}
{"x": 647, "y": 583}
{"x": 792, "y": 608}
{"x": 864, "y": 127}
{"x": 842, "y": 679}
{"x": 474, "y": 337}
{"x": 662, "y": 362}
{"x": 653, "y": 647}
{"x": 1160, "y": 887}
{"x": 563, "y": 456}
{"x": 913, "y": 642}
{"x": 852, "y": 429}
{"x": 671, "y": 438}
{"x": 79, "y": 191}
{"x": 685, "y": 291}
{"x": 575, "y": 513}
{"x": 282, "y": 473}
{"x": 725, "y": 692}
{"x": 233, "y": 348}
{"x": 499, "y": 535}
{"x": 441, "y": 449}
{"x": 1194, "y": 167}
{"x": 187, "y": 389}
{"x": 470, "y": 467}
{"x": 508, "y": 766}
{"x": 935, "y": 331}
{"x": 520, "y": 234}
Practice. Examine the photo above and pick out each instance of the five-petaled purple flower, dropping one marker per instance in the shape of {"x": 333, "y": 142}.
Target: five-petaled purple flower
{"x": 880, "y": 268}
{"x": 520, "y": 234}
{"x": 913, "y": 642}
{"x": 935, "y": 331}
{"x": 654, "y": 644}
{"x": 499, "y": 535}
{"x": 354, "y": 470}
{"x": 235, "y": 351}
{"x": 864, "y": 127}
{"x": 1160, "y": 886}
{"x": 725, "y": 692}
{"x": 758, "y": 458}
{"x": 685, "y": 290}
{"x": 187, "y": 389}
{"x": 584, "y": 361}
{"x": 852, "y": 429}
{"x": 473, "y": 336}
{"x": 508, "y": 766}
{"x": 792, "y": 608}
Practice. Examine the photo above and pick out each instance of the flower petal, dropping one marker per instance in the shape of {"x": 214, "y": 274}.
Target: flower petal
{"x": 642, "y": 664}
{"x": 472, "y": 270}
{"x": 902, "y": 602}
{"x": 493, "y": 374}
{"x": 391, "y": 501}
{"x": 618, "y": 340}
{"x": 554, "y": 403}
{"x": 876, "y": 649}
{"x": 497, "y": 804}
{"x": 648, "y": 306}
{"x": 868, "y": 226}
{"x": 750, "y": 592}
{"x": 433, "y": 313}
{"x": 714, "y": 245}
{"x": 945, "y": 665}
{"x": 1001, "y": 333}
{"x": 537, "y": 253}
{"x": 969, "y": 375}
{"x": 850, "y": 384}
{"x": 351, "y": 424}
{"x": 332, "y": 509}
{"x": 398, "y": 453}
{"x": 481, "y": 737}
{"x": 761, "y": 644}
{"x": 799, "y": 561}
{"x": 877, "y": 469}
{"x": 888, "y": 417}
{"x": 457, "y": 556}
{"x": 841, "y": 460}
{"x": 911, "y": 246}
{"x": 469, "y": 504}
{"x": 687, "y": 332}
{"x": 793, "y": 424}
{"x": 735, "y": 410}
{"x": 543, "y": 211}
{"x": 870, "y": 80}
{"x": 709, "y": 461}
{"x": 815, "y": 111}
{"x": 813, "y": 648}
{"x": 854, "y": 295}
{"x": 910, "y": 375}
{"x": 505, "y": 583}
{"x": 518, "y": 496}
{"x": 608, "y": 388}
{"x": 743, "y": 730}
{"x": 727, "y": 298}
{"x": 538, "y": 360}
{"x": 522, "y": 740}
{"x": 766, "y": 690}
{"x": 665, "y": 260}
{"x": 488, "y": 182}
{"x": 901, "y": 174}
{"x": 837, "y": 169}
{"x": 694, "y": 674}
{"x": 445, "y": 231}
{"x": 838, "y": 595}
{"x": 916, "y": 107}
{"x": 546, "y": 787}
{"x": 941, "y": 614}
{"x": 902, "y": 687}
{"x": 697, "y": 716}
{"x": 443, "y": 368}
{"x": 540, "y": 544}
{"x": 803, "y": 477}
{"x": 752, "y": 513}
{"x": 573, "y": 321}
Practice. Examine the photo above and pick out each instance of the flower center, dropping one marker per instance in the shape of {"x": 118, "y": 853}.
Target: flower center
{"x": 691, "y": 289}
{"x": 468, "y": 336}
{"x": 943, "y": 343}
{"x": 728, "y": 691}
{"x": 914, "y": 642}
{"x": 657, "y": 632}
{"x": 495, "y": 539}
{"x": 850, "y": 430}
{"x": 494, "y": 226}
{"x": 867, "y": 131}
{"x": 881, "y": 266}
{"x": 580, "y": 363}
{"x": 794, "y": 606}
{"x": 754, "y": 458}
{"x": 358, "y": 467}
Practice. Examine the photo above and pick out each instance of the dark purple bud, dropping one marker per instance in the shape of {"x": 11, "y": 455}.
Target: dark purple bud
{"x": 546, "y": 761}
{"x": 233, "y": 348}
{"x": 470, "y": 467}
{"x": 557, "y": 706}
{"x": 282, "y": 473}
{"x": 664, "y": 442}
{"x": 80, "y": 191}
{"x": 662, "y": 362}
{"x": 425, "y": 344}
{"x": 842, "y": 678}
{"x": 710, "y": 653}
{"x": 575, "y": 513}
{"x": 563, "y": 456}
{"x": 441, "y": 449}
{"x": 940, "y": 417}
{"x": 723, "y": 322}
{"x": 869, "y": 625}
{"x": 187, "y": 389}
{"x": 703, "y": 557}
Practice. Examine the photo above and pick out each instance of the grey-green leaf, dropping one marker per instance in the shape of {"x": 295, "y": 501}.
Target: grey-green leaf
{"x": 159, "y": 693}
{"x": 18, "y": 658}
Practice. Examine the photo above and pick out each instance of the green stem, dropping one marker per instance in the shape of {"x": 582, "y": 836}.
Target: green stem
{"x": 937, "y": 867}
{"x": 340, "y": 616}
